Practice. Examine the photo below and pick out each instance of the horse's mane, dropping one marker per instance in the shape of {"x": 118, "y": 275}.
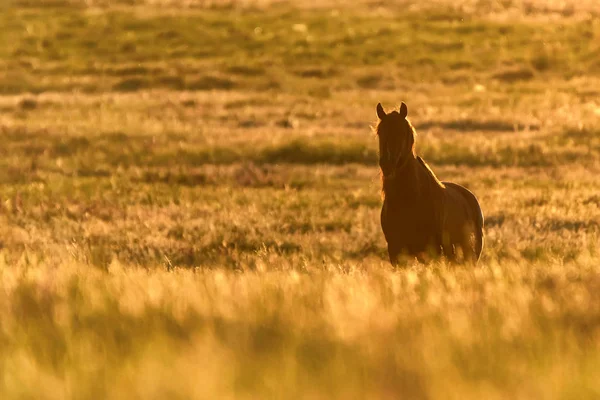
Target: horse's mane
{"x": 430, "y": 172}
{"x": 376, "y": 129}
{"x": 422, "y": 162}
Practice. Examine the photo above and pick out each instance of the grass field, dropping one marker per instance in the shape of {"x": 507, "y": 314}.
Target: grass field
{"x": 189, "y": 199}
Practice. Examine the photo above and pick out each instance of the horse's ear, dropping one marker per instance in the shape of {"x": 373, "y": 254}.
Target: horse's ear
{"x": 403, "y": 110}
{"x": 380, "y": 112}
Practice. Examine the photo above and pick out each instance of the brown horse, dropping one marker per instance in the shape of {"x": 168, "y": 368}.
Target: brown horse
{"x": 422, "y": 216}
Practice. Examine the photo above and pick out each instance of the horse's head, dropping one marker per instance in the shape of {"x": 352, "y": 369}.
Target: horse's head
{"x": 396, "y": 139}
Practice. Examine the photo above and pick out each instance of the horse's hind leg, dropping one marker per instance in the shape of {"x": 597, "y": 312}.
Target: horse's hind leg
{"x": 460, "y": 250}
{"x": 395, "y": 254}
{"x": 468, "y": 248}
{"x": 449, "y": 251}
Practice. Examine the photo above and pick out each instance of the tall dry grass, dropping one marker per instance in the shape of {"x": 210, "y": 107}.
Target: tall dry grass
{"x": 189, "y": 200}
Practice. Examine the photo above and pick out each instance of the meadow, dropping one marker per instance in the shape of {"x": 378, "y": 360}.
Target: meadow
{"x": 190, "y": 199}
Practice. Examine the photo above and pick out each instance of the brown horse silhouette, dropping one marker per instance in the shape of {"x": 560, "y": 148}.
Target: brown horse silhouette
{"x": 421, "y": 216}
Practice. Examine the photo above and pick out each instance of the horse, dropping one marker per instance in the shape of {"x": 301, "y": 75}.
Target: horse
{"x": 422, "y": 217}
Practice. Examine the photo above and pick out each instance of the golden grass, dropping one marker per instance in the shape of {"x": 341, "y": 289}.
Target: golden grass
{"x": 357, "y": 332}
{"x": 504, "y": 9}
{"x": 177, "y": 222}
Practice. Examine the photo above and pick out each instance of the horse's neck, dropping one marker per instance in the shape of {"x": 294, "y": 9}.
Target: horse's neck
{"x": 404, "y": 187}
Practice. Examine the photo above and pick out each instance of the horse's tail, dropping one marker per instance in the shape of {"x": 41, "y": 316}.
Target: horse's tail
{"x": 477, "y": 214}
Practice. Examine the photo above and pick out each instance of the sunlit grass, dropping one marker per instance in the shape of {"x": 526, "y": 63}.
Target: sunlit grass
{"x": 307, "y": 51}
{"x": 190, "y": 200}
{"x": 353, "y": 331}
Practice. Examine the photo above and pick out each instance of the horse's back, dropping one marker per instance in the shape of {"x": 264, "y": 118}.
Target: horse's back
{"x": 469, "y": 197}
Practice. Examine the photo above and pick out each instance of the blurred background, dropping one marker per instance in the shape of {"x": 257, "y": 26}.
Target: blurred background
{"x": 190, "y": 198}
